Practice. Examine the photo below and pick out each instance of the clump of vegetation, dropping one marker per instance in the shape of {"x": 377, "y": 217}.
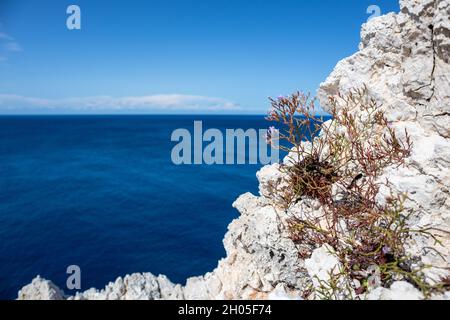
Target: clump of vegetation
{"x": 339, "y": 164}
{"x": 312, "y": 177}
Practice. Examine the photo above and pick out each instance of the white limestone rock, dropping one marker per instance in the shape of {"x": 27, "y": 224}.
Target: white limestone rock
{"x": 260, "y": 255}
{"x": 399, "y": 290}
{"x": 135, "y": 287}
{"x": 282, "y": 293}
{"x": 270, "y": 180}
{"x": 322, "y": 265}
{"x": 204, "y": 287}
{"x": 40, "y": 289}
{"x": 323, "y": 268}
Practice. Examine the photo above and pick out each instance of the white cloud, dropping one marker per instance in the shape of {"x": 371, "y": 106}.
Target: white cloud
{"x": 8, "y": 45}
{"x": 4, "y": 36}
{"x": 152, "y": 103}
{"x": 12, "y": 47}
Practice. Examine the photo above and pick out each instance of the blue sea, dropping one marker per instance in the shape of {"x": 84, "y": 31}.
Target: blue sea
{"x": 101, "y": 192}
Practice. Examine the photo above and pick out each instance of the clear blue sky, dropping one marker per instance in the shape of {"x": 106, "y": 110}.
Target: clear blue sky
{"x": 171, "y": 56}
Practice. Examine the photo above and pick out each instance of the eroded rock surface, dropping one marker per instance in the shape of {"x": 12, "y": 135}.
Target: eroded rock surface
{"x": 404, "y": 62}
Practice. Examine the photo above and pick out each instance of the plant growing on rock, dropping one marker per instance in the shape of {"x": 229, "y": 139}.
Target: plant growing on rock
{"x": 339, "y": 164}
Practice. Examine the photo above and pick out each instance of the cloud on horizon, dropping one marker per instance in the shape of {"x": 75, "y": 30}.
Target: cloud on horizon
{"x": 11, "y": 104}
{"x": 8, "y": 45}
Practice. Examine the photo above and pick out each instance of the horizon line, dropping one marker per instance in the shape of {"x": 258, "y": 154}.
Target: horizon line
{"x": 135, "y": 114}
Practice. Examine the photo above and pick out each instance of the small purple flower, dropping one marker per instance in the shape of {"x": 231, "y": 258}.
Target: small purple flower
{"x": 272, "y": 130}
{"x": 281, "y": 98}
{"x": 386, "y": 250}
{"x": 271, "y": 133}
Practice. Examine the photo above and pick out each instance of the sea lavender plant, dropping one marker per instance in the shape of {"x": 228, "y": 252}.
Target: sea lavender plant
{"x": 339, "y": 163}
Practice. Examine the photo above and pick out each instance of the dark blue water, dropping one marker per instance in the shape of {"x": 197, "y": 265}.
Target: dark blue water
{"x": 102, "y": 193}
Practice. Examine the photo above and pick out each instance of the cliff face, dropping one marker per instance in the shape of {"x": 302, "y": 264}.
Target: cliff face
{"x": 404, "y": 60}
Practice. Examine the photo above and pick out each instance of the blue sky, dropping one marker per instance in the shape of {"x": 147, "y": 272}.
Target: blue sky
{"x": 171, "y": 56}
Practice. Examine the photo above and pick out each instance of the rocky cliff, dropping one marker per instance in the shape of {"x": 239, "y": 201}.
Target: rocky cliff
{"x": 404, "y": 60}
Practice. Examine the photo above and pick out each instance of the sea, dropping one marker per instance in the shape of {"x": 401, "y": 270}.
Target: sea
{"x": 102, "y": 193}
